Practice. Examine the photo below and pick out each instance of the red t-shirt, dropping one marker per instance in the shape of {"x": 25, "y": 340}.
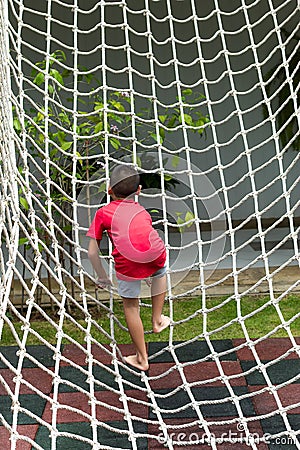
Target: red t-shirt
{"x": 138, "y": 250}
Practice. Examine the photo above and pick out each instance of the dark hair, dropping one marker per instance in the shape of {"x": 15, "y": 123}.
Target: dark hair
{"x": 124, "y": 181}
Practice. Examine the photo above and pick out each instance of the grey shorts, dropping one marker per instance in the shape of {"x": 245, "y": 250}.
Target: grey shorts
{"x": 132, "y": 289}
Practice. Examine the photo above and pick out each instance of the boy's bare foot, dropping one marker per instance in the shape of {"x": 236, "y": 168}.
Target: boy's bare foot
{"x": 164, "y": 323}
{"x": 133, "y": 360}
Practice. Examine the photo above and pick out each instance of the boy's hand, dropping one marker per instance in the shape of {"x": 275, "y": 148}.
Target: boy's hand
{"x": 103, "y": 283}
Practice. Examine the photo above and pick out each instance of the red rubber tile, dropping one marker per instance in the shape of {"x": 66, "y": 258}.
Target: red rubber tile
{"x": 78, "y": 356}
{"x": 265, "y": 402}
{"x": 40, "y": 379}
{"x": 193, "y": 432}
{"x": 102, "y": 354}
{"x": 8, "y": 378}
{"x": 138, "y": 403}
{"x": 23, "y": 430}
{"x": 267, "y": 349}
{"x": 207, "y": 370}
{"x": 195, "y": 372}
{"x": 81, "y": 403}
{"x": 167, "y": 380}
{"x": 104, "y": 412}
{"x": 128, "y": 349}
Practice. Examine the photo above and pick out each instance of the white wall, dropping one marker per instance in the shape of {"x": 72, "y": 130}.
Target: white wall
{"x": 217, "y": 75}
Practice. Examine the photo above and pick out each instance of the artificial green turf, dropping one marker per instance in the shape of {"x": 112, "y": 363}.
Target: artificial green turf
{"x": 221, "y": 317}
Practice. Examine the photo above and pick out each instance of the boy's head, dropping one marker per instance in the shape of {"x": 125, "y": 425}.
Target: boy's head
{"x": 124, "y": 181}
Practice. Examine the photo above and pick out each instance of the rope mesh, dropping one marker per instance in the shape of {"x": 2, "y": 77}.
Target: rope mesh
{"x": 202, "y": 97}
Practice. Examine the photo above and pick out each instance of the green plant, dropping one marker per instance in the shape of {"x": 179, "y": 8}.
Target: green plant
{"x": 54, "y": 135}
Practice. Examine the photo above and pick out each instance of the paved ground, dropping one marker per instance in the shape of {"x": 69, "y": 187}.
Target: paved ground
{"x": 202, "y": 373}
{"x": 219, "y": 282}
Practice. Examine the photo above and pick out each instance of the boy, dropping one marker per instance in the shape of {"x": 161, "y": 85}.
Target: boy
{"x": 138, "y": 253}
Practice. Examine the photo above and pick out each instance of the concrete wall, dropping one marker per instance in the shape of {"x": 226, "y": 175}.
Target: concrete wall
{"x": 224, "y": 54}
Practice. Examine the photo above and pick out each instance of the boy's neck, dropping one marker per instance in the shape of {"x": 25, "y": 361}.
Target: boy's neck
{"x": 122, "y": 198}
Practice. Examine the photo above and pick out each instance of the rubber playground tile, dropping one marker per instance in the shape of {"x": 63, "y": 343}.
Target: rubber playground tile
{"x": 267, "y": 350}
{"x": 78, "y": 401}
{"x": 275, "y": 425}
{"x": 131, "y": 377}
{"x": 7, "y": 376}
{"x": 279, "y": 372}
{"x": 73, "y": 375}
{"x": 74, "y": 354}
{"x": 170, "y": 401}
{"x": 104, "y": 377}
{"x": 81, "y": 437}
{"x": 200, "y": 372}
{"x": 128, "y": 349}
{"x": 76, "y": 407}
{"x": 204, "y": 371}
{"x": 38, "y": 378}
{"x": 166, "y": 380}
{"x": 265, "y": 402}
{"x": 33, "y": 403}
{"x": 41, "y": 353}
{"x": 138, "y": 403}
{"x": 28, "y": 431}
{"x": 77, "y": 355}
{"x": 191, "y": 351}
{"x": 226, "y": 406}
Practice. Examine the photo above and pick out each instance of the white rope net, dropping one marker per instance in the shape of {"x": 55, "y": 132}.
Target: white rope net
{"x": 203, "y": 98}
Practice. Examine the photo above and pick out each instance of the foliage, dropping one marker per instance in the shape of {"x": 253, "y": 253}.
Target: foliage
{"x": 55, "y": 132}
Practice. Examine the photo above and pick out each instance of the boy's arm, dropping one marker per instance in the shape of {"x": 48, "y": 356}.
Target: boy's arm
{"x": 93, "y": 254}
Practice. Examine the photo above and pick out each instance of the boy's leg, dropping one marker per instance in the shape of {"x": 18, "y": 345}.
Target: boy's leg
{"x": 158, "y": 293}
{"x": 136, "y": 331}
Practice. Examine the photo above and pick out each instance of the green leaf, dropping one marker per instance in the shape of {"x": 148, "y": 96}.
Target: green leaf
{"x": 66, "y": 145}
{"x": 39, "y": 79}
{"x": 180, "y": 221}
{"x": 163, "y": 118}
{"x": 187, "y": 92}
{"x": 61, "y": 135}
{"x": 79, "y": 158}
{"x": 17, "y": 124}
{"x": 154, "y": 136}
{"x": 189, "y": 216}
{"x": 40, "y": 117}
{"x": 23, "y": 241}
{"x": 162, "y": 134}
{"x": 98, "y": 127}
{"x": 98, "y": 105}
{"x": 188, "y": 119}
{"x": 118, "y": 106}
{"x": 24, "y": 203}
{"x": 172, "y": 121}
{"x": 63, "y": 117}
{"x": 59, "y": 55}
{"x": 115, "y": 143}
{"x": 57, "y": 76}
